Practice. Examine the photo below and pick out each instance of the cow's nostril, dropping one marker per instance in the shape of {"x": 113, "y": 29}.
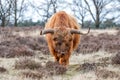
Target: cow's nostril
{"x": 60, "y": 43}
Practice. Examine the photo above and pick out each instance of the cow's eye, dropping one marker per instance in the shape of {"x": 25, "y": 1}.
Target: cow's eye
{"x": 70, "y": 39}
{"x": 55, "y": 39}
{"x": 67, "y": 44}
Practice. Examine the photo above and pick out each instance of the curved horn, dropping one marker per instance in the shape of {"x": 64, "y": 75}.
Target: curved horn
{"x": 74, "y": 31}
{"x": 46, "y": 31}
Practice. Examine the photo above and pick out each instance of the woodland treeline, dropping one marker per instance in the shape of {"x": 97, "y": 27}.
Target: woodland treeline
{"x": 89, "y": 13}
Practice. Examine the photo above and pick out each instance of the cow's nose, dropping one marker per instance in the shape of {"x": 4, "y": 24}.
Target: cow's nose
{"x": 62, "y": 52}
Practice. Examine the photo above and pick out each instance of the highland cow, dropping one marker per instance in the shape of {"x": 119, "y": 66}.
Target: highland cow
{"x": 63, "y": 36}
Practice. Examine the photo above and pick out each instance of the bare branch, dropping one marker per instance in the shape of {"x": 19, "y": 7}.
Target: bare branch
{"x": 89, "y": 9}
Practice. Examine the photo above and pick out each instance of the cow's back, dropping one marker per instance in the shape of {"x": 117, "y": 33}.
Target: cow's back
{"x": 62, "y": 19}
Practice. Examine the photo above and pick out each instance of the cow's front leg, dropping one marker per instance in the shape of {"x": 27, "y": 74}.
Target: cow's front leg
{"x": 56, "y": 58}
{"x": 54, "y": 53}
{"x": 64, "y": 59}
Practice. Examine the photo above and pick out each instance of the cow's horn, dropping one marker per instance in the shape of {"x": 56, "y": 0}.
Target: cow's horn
{"x": 74, "y": 31}
{"x": 46, "y": 31}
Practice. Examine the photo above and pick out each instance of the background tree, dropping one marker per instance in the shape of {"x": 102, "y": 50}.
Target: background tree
{"x": 5, "y": 11}
{"x": 100, "y": 11}
{"x": 109, "y": 23}
{"x": 32, "y": 12}
{"x": 47, "y": 7}
{"x": 18, "y": 10}
{"x": 57, "y": 5}
{"x": 78, "y": 7}
{"x": 116, "y": 10}
{"x": 42, "y": 9}
{"x": 54, "y": 5}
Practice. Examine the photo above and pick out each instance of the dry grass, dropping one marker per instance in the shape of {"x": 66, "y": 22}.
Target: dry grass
{"x": 25, "y": 56}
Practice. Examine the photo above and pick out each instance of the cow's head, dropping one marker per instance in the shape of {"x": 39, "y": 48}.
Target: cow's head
{"x": 62, "y": 38}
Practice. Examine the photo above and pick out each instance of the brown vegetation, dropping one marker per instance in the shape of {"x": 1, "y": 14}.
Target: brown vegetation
{"x": 35, "y": 70}
{"x": 12, "y": 45}
{"x": 37, "y": 75}
{"x": 86, "y": 67}
{"x": 103, "y": 73}
{"x": 104, "y": 41}
{"x": 27, "y": 63}
{"x": 2, "y": 69}
{"x": 54, "y": 68}
{"x": 34, "y": 65}
{"x": 116, "y": 58}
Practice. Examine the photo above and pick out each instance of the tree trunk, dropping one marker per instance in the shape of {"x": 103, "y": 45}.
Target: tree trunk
{"x": 54, "y": 7}
{"x": 15, "y": 13}
{"x": 82, "y": 24}
{"x": 15, "y": 23}
{"x": 97, "y": 25}
{"x": 3, "y": 22}
{"x": 97, "y": 21}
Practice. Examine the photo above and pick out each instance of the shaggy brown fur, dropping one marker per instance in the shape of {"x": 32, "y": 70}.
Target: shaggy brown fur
{"x": 61, "y": 43}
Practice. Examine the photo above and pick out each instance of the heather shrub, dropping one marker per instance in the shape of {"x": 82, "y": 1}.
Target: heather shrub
{"x": 37, "y": 75}
{"x": 30, "y": 42}
{"x": 27, "y": 63}
{"x": 17, "y": 51}
{"x": 2, "y": 69}
{"x": 88, "y": 47}
{"x": 86, "y": 67}
{"x": 116, "y": 59}
{"x": 34, "y": 44}
{"x": 112, "y": 47}
{"x": 103, "y": 41}
{"x": 21, "y": 50}
{"x": 104, "y": 73}
{"x": 88, "y": 43}
{"x": 4, "y": 51}
{"x": 54, "y": 68}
